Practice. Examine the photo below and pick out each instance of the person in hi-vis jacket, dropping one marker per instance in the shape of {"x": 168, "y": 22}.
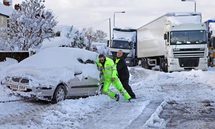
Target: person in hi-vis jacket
{"x": 109, "y": 75}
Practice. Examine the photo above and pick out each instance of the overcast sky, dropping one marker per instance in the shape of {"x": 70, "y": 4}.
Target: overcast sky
{"x": 94, "y": 13}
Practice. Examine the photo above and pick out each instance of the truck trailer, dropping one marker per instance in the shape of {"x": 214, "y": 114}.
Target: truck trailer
{"x": 174, "y": 41}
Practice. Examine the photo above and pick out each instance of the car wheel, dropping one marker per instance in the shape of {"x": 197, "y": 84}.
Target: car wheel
{"x": 59, "y": 94}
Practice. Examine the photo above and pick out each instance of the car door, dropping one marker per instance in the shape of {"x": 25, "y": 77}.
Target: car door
{"x": 92, "y": 85}
{"x": 82, "y": 86}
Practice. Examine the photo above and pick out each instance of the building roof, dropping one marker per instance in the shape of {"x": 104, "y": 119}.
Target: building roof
{"x": 6, "y": 10}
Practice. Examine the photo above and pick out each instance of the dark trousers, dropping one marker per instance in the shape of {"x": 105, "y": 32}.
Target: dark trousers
{"x": 127, "y": 87}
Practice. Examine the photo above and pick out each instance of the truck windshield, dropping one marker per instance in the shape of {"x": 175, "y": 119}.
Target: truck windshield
{"x": 120, "y": 44}
{"x": 188, "y": 37}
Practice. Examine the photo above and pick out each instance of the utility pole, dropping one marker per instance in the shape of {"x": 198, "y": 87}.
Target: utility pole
{"x": 110, "y": 29}
{"x": 191, "y": 1}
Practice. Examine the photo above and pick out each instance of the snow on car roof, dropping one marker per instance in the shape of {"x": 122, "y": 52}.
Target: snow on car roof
{"x": 58, "y": 57}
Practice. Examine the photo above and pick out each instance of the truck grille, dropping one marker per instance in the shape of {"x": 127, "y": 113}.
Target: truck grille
{"x": 190, "y": 52}
{"x": 189, "y": 62}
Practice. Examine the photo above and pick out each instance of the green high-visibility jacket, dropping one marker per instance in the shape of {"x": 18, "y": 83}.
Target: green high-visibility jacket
{"x": 108, "y": 70}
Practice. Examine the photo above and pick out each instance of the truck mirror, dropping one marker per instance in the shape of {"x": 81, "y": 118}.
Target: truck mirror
{"x": 209, "y": 34}
{"x": 165, "y": 36}
{"x": 108, "y": 43}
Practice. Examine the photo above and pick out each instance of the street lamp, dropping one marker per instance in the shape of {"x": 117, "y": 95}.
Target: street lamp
{"x": 192, "y": 1}
{"x": 114, "y": 16}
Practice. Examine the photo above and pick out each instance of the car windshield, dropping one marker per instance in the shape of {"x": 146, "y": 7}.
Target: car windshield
{"x": 121, "y": 44}
{"x": 188, "y": 37}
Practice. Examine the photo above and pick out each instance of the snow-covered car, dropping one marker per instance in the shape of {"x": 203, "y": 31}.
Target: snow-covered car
{"x": 54, "y": 74}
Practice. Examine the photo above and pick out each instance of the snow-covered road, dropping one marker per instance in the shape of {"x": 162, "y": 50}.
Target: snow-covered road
{"x": 164, "y": 100}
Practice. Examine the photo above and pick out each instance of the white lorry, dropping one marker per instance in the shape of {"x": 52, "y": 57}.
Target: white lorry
{"x": 125, "y": 40}
{"x": 174, "y": 41}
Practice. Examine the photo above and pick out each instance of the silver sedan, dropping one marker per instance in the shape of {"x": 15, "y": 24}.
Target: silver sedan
{"x": 37, "y": 77}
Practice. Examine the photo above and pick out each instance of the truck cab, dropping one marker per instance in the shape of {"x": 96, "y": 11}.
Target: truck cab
{"x": 174, "y": 42}
{"x": 125, "y": 40}
{"x": 187, "y": 47}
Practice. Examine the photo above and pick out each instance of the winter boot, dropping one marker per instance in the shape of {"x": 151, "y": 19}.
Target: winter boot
{"x": 117, "y": 97}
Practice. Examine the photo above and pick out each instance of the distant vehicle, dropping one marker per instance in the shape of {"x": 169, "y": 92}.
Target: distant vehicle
{"x": 174, "y": 41}
{"x": 125, "y": 40}
{"x": 211, "y": 41}
{"x": 55, "y": 74}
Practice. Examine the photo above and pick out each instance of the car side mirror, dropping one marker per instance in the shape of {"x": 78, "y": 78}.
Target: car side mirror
{"x": 108, "y": 43}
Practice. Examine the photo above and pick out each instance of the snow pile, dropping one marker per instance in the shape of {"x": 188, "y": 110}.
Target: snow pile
{"x": 176, "y": 85}
{"x": 7, "y": 62}
{"x": 72, "y": 112}
{"x": 53, "y": 65}
{"x": 155, "y": 121}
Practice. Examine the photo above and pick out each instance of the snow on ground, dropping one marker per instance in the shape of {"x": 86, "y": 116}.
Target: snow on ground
{"x": 183, "y": 90}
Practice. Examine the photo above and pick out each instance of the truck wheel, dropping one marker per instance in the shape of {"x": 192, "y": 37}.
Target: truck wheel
{"x": 144, "y": 63}
{"x": 59, "y": 94}
{"x": 164, "y": 65}
{"x": 134, "y": 62}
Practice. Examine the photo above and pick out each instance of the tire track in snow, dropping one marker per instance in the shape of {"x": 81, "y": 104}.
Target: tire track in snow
{"x": 116, "y": 116}
{"x": 25, "y": 114}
